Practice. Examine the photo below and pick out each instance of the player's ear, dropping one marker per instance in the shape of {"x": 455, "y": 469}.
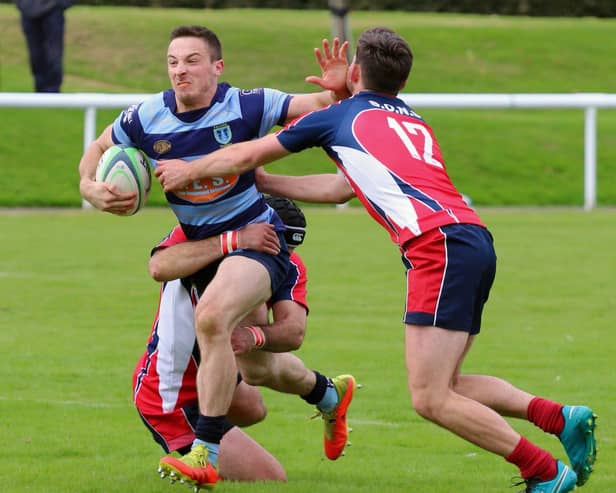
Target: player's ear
{"x": 354, "y": 73}
{"x": 219, "y": 65}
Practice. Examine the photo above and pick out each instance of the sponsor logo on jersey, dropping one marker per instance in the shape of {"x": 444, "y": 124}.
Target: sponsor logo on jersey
{"x": 128, "y": 114}
{"x": 208, "y": 189}
{"x": 161, "y": 146}
{"x": 222, "y": 134}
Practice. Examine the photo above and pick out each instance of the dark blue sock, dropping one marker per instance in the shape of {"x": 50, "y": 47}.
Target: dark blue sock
{"x": 209, "y": 432}
{"x": 318, "y": 392}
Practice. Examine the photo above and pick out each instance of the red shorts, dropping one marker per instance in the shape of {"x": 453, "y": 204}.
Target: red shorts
{"x": 450, "y": 271}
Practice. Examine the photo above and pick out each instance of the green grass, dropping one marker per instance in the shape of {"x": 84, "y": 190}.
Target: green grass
{"x": 498, "y": 157}
{"x": 76, "y": 306}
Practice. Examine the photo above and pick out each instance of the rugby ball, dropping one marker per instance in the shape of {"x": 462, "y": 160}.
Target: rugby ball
{"x": 128, "y": 169}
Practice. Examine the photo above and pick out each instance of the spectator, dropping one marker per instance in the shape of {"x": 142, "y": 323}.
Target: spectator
{"x": 42, "y": 22}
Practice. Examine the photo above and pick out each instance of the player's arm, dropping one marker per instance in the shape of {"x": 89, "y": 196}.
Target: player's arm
{"x": 186, "y": 258}
{"x": 183, "y": 259}
{"x": 285, "y": 333}
{"x": 334, "y": 65}
{"x": 234, "y": 159}
{"x": 101, "y": 195}
{"x": 329, "y": 188}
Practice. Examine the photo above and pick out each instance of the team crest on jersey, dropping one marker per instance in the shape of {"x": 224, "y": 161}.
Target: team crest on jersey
{"x": 222, "y": 134}
{"x": 161, "y": 146}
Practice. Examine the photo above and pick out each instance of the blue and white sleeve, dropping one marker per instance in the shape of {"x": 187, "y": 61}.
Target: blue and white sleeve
{"x": 275, "y": 109}
{"x": 127, "y": 127}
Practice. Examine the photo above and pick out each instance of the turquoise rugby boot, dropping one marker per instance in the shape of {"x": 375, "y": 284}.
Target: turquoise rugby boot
{"x": 578, "y": 438}
{"x": 563, "y": 482}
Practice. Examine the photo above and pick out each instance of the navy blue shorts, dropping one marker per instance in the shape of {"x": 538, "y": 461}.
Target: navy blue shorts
{"x": 277, "y": 265}
{"x": 450, "y": 271}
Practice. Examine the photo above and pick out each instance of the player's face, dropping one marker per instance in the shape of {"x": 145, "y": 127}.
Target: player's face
{"x": 192, "y": 72}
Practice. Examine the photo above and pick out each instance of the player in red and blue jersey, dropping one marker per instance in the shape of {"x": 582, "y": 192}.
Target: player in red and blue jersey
{"x": 391, "y": 160}
{"x": 195, "y": 117}
{"x": 164, "y": 381}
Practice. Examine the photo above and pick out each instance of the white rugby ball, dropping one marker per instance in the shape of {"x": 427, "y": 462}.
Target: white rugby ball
{"x": 127, "y": 168}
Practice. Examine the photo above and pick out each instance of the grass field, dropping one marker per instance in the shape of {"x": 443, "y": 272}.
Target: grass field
{"x": 497, "y": 157}
{"x": 76, "y": 305}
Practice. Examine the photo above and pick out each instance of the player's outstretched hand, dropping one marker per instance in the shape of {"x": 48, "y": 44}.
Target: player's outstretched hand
{"x": 334, "y": 64}
{"x": 172, "y": 174}
{"x": 107, "y": 197}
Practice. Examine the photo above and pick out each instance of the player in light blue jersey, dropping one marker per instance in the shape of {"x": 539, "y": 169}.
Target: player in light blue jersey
{"x": 195, "y": 117}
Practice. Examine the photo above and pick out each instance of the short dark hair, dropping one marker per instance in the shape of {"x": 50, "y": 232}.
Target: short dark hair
{"x": 208, "y": 37}
{"x": 292, "y": 217}
{"x": 385, "y": 59}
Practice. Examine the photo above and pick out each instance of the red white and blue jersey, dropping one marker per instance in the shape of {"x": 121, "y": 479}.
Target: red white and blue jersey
{"x": 175, "y": 236}
{"x": 391, "y": 159}
{"x": 165, "y": 377}
{"x": 209, "y": 206}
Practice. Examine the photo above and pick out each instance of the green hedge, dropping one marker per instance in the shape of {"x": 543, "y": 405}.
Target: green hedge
{"x": 544, "y": 8}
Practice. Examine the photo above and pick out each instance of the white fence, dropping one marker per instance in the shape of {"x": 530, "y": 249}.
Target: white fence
{"x": 589, "y": 102}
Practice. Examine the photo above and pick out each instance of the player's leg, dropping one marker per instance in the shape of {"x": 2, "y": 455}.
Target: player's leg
{"x": 451, "y": 271}
{"x": 242, "y": 459}
{"x": 247, "y": 407}
{"x": 574, "y": 425}
{"x": 240, "y": 285}
{"x": 494, "y": 392}
{"x": 285, "y": 372}
{"x": 432, "y": 355}
{"x": 165, "y": 376}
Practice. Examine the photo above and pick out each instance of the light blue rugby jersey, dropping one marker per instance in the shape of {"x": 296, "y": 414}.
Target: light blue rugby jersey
{"x": 212, "y": 205}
